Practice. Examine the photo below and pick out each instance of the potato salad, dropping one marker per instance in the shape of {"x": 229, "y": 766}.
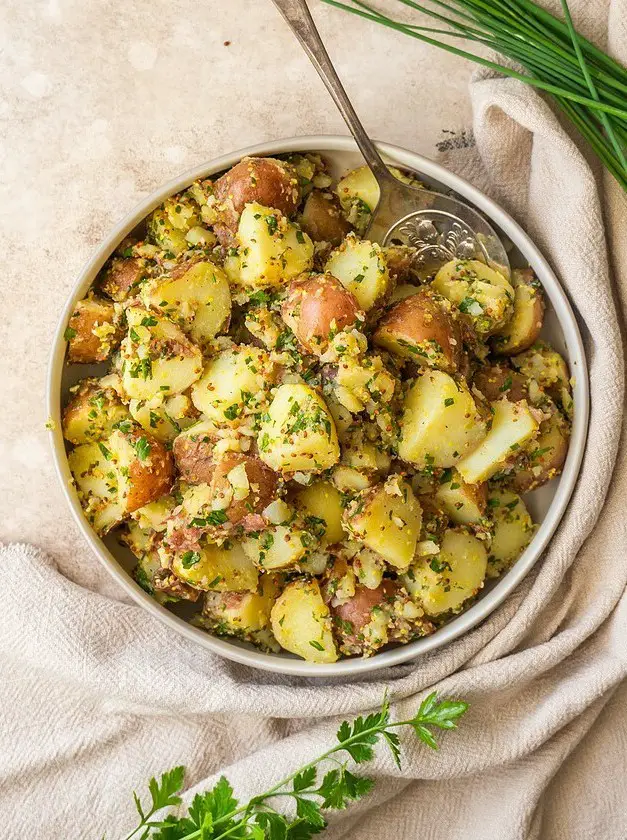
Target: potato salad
{"x": 317, "y": 442}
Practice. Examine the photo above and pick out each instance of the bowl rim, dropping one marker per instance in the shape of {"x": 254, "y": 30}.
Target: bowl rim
{"x": 491, "y": 600}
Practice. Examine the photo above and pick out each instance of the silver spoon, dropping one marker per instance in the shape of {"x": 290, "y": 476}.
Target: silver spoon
{"x": 439, "y": 227}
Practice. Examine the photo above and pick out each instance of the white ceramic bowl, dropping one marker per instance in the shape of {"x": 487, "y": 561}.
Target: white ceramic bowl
{"x": 547, "y": 504}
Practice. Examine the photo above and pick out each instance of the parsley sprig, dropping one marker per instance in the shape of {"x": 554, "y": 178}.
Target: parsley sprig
{"x": 216, "y": 814}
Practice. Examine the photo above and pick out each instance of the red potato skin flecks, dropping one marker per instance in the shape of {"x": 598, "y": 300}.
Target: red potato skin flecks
{"x": 358, "y": 610}
{"x": 498, "y": 381}
{"x": 420, "y": 321}
{"x": 262, "y": 480}
{"x": 272, "y": 183}
{"x": 194, "y": 458}
{"x": 322, "y": 218}
{"x": 318, "y": 307}
{"x": 152, "y": 478}
{"x": 83, "y": 346}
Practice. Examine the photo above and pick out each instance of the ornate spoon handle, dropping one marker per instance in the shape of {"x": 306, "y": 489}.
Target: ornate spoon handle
{"x": 298, "y": 16}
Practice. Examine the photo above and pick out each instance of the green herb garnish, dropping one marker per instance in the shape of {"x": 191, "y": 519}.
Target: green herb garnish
{"x": 217, "y": 814}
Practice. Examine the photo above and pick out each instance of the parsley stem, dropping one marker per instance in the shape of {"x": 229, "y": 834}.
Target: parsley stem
{"x": 276, "y": 790}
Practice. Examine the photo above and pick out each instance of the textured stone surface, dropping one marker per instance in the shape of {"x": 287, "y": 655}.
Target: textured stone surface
{"x": 100, "y": 104}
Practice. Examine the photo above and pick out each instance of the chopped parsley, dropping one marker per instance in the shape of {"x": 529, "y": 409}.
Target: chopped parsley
{"x": 106, "y": 452}
{"x": 189, "y": 559}
{"x": 142, "y": 447}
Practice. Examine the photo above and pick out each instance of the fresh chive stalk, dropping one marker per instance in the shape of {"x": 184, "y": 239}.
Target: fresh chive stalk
{"x": 588, "y": 86}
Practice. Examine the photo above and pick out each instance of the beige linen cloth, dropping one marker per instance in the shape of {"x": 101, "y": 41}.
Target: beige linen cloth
{"x": 96, "y": 696}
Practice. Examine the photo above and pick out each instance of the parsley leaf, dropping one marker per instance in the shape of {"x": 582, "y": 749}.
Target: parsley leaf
{"x": 142, "y": 447}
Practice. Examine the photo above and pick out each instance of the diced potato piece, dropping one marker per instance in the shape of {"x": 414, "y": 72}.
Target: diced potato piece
{"x": 443, "y": 582}
{"x": 301, "y": 622}
{"x": 544, "y": 457}
{"x": 464, "y": 503}
{"x": 363, "y": 383}
{"x": 157, "y": 357}
{"x": 168, "y": 225}
{"x": 322, "y": 503}
{"x": 441, "y": 422}
{"x": 145, "y": 467}
{"x": 317, "y": 308}
{"x": 322, "y": 218}
{"x": 225, "y": 568}
{"x": 279, "y": 547}
{"x": 479, "y": 291}
{"x": 196, "y": 295}
{"x": 153, "y": 516}
{"x": 498, "y": 381}
{"x": 194, "y": 453}
{"x": 421, "y": 329}
{"x": 92, "y": 412}
{"x": 234, "y": 385}
{"x": 245, "y": 615}
{"x": 387, "y": 519}
{"x": 360, "y": 267}
{"x": 358, "y": 192}
{"x": 525, "y": 324}
{"x": 350, "y": 480}
{"x": 97, "y": 483}
{"x": 241, "y": 485}
{"x": 122, "y": 277}
{"x": 164, "y": 418}
{"x": 272, "y": 251}
{"x": 298, "y": 432}
{"x": 545, "y": 365}
{"x": 261, "y": 181}
{"x": 512, "y": 426}
{"x": 512, "y": 532}
{"x": 93, "y": 331}
{"x": 359, "y": 185}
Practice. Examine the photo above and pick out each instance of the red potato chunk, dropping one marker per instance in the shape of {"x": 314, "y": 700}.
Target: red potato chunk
{"x": 526, "y": 322}
{"x": 322, "y": 218}
{"x": 317, "y": 308}
{"x": 421, "y": 329}
{"x": 150, "y": 475}
{"x": 93, "y": 331}
{"x": 272, "y": 183}
{"x": 122, "y": 277}
{"x": 545, "y": 458}
{"x": 243, "y": 485}
{"x": 498, "y": 381}
{"x": 357, "y": 611}
{"x": 193, "y": 454}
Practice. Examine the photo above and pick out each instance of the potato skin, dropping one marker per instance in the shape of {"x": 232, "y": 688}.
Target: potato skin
{"x": 268, "y": 181}
{"x": 498, "y": 381}
{"x": 526, "y": 322}
{"x": 316, "y": 307}
{"x": 322, "y": 218}
{"x": 149, "y": 479}
{"x": 122, "y": 276}
{"x": 420, "y": 328}
{"x": 92, "y": 412}
{"x": 83, "y": 345}
{"x": 357, "y": 611}
{"x": 263, "y": 485}
{"x": 193, "y": 454}
{"x": 539, "y": 468}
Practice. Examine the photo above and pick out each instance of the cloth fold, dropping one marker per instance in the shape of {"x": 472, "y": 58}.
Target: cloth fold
{"x": 96, "y": 696}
